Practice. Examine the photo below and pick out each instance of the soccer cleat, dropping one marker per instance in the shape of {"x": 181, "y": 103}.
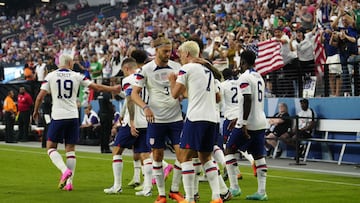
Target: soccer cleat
{"x": 68, "y": 187}
{"x": 113, "y": 190}
{"x": 216, "y": 201}
{"x": 132, "y": 183}
{"x": 64, "y": 177}
{"x": 197, "y": 197}
{"x": 235, "y": 192}
{"x": 139, "y": 188}
{"x": 257, "y": 196}
{"x": 160, "y": 199}
{"x": 239, "y": 176}
{"x": 153, "y": 181}
{"x": 177, "y": 196}
{"x": 168, "y": 170}
{"x": 226, "y": 197}
{"x": 185, "y": 201}
{"x": 143, "y": 193}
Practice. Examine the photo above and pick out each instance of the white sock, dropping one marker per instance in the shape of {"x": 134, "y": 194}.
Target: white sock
{"x": 147, "y": 174}
{"x": 117, "y": 166}
{"x": 176, "y": 179}
{"x": 57, "y": 159}
{"x": 71, "y": 164}
{"x": 197, "y": 167}
{"x": 261, "y": 171}
{"x": 231, "y": 165}
{"x": 137, "y": 171}
{"x": 158, "y": 173}
{"x": 188, "y": 176}
{"x": 212, "y": 176}
{"x": 218, "y": 155}
{"x": 165, "y": 164}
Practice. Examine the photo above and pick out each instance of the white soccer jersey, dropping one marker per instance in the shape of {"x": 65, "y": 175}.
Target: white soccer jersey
{"x": 63, "y": 85}
{"x": 230, "y": 90}
{"x": 217, "y": 105}
{"x": 155, "y": 79}
{"x": 139, "y": 117}
{"x": 252, "y": 83}
{"x": 200, "y": 85}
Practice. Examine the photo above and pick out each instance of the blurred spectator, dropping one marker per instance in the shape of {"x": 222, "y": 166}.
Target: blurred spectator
{"x": 10, "y": 111}
{"x": 347, "y": 44}
{"x": 280, "y": 123}
{"x": 40, "y": 70}
{"x": 95, "y": 69}
{"x": 90, "y": 126}
{"x": 25, "y": 103}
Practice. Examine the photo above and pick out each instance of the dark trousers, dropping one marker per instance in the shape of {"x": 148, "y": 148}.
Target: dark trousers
{"x": 24, "y": 122}
{"x": 106, "y": 125}
{"x": 9, "y": 127}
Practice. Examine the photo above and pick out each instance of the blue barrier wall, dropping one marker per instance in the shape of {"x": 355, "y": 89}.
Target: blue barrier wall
{"x": 325, "y": 108}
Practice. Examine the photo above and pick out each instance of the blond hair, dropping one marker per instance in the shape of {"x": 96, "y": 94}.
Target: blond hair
{"x": 190, "y": 47}
{"x": 64, "y": 60}
{"x": 161, "y": 41}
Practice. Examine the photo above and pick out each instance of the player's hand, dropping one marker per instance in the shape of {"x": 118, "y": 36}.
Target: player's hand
{"x": 134, "y": 132}
{"x": 116, "y": 89}
{"x": 232, "y": 124}
{"x": 149, "y": 115}
{"x": 35, "y": 116}
{"x": 245, "y": 132}
{"x": 172, "y": 77}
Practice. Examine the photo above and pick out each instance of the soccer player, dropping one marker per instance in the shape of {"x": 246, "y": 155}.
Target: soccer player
{"x": 63, "y": 85}
{"x": 200, "y": 126}
{"x": 162, "y": 112}
{"x": 250, "y": 127}
{"x": 132, "y": 134}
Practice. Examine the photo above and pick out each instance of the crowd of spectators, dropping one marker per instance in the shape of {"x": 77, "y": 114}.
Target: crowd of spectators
{"x": 226, "y": 27}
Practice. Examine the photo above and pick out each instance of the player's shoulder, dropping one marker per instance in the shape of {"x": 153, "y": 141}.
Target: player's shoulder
{"x": 148, "y": 66}
{"x": 174, "y": 64}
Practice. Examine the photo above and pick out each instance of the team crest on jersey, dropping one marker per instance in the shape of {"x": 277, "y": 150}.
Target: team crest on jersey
{"x": 161, "y": 76}
{"x": 152, "y": 141}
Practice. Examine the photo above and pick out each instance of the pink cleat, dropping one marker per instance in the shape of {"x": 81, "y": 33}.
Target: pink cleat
{"x": 65, "y": 176}
{"x": 168, "y": 170}
{"x": 68, "y": 187}
{"x": 153, "y": 181}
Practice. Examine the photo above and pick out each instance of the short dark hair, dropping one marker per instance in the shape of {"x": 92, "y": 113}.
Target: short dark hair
{"x": 139, "y": 55}
{"x": 249, "y": 57}
{"x": 128, "y": 60}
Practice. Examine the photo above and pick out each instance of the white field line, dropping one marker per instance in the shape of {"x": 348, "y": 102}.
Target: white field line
{"x": 271, "y": 176}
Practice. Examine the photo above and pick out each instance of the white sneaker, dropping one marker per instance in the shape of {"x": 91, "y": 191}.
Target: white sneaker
{"x": 143, "y": 193}
{"x": 113, "y": 190}
{"x": 140, "y": 187}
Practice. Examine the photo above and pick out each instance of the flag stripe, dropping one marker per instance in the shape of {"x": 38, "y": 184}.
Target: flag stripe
{"x": 269, "y": 58}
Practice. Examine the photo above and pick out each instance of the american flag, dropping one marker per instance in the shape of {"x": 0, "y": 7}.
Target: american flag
{"x": 319, "y": 51}
{"x": 269, "y": 58}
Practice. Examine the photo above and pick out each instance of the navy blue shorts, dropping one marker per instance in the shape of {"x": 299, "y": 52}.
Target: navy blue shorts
{"x": 226, "y": 133}
{"x": 141, "y": 145}
{"x": 157, "y": 133}
{"x": 124, "y": 139}
{"x": 199, "y": 136}
{"x": 65, "y": 129}
{"x": 255, "y": 145}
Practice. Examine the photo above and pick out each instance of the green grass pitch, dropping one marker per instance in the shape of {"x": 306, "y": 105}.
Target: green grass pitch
{"x": 27, "y": 175}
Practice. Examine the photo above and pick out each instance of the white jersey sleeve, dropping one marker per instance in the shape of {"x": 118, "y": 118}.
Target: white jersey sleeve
{"x": 166, "y": 109}
{"x": 200, "y": 85}
{"x": 251, "y": 83}
{"x": 63, "y": 85}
